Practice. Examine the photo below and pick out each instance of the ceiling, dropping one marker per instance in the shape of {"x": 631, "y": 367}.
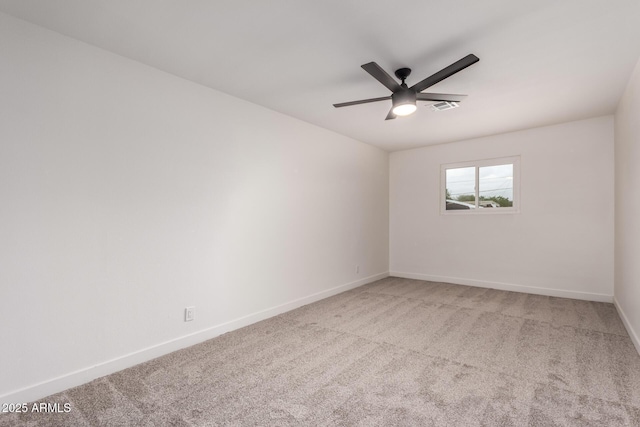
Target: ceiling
{"x": 541, "y": 61}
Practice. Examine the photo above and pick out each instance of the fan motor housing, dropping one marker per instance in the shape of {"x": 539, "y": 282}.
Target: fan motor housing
{"x": 404, "y": 96}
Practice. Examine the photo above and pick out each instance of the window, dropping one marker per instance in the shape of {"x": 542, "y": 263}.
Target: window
{"x": 484, "y": 186}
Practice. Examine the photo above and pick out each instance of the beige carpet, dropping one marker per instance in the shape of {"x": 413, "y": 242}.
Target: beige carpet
{"x": 394, "y": 352}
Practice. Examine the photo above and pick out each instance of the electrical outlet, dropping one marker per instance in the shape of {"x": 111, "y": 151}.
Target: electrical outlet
{"x": 357, "y": 269}
{"x": 189, "y": 314}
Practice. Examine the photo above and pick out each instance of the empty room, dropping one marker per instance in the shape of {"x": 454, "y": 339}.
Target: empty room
{"x": 320, "y": 213}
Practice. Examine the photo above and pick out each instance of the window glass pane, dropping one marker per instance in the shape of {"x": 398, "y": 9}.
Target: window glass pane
{"x": 460, "y": 185}
{"x": 496, "y": 186}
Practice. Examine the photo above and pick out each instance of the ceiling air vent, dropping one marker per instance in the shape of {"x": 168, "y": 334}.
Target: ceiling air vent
{"x": 444, "y": 105}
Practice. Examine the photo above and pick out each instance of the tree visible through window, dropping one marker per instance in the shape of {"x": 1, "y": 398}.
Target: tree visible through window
{"x": 481, "y": 185}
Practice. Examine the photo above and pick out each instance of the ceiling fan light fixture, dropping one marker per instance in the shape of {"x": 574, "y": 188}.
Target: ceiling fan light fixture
{"x": 403, "y": 97}
{"x": 404, "y": 109}
{"x": 404, "y": 102}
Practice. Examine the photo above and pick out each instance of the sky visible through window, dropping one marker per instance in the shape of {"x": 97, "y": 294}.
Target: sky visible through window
{"x": 495, "y": 181}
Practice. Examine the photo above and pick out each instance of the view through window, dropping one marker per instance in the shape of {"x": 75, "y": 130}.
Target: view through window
{"x": 488, "y": 184}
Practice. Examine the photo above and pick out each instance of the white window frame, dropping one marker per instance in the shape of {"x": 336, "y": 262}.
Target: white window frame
{"x": 514, "y": 160}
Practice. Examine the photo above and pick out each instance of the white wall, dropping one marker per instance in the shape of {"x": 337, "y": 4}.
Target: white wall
{"x": 127, "y": 194}
{"x": 627, "y": 230}
{"x": 560, "y": 244}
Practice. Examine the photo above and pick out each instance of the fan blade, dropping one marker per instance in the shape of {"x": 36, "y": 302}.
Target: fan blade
{"x": 445, "y": 72}
{"x": 381, "y": 75}
{"x": 439, "y": 97}
{"x": 363, "y": 101}
{"x": 391, "y": 116}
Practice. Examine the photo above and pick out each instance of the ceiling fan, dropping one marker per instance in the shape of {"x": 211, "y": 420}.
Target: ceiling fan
{"x": 403, "y": 98}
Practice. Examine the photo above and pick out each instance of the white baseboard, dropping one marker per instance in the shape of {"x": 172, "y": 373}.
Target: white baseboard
{"x": 72, "y": 379}
{"x": 588, "y": 296}
{"x": 627, "y": 325}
